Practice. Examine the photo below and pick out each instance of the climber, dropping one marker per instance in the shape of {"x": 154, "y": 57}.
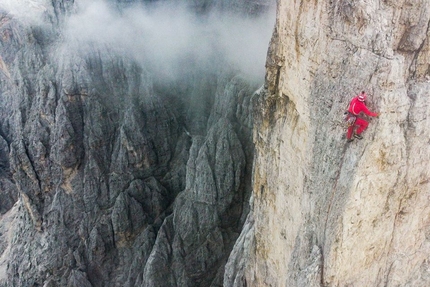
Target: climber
{"x": 356, "y": 106}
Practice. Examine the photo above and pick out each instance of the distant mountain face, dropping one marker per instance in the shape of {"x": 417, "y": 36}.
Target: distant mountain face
{"x": 125, "y": 158}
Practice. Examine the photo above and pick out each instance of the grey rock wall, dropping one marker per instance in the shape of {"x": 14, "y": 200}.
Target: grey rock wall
{"x": 108, "y": 176}
{"x": 325, "y": 212}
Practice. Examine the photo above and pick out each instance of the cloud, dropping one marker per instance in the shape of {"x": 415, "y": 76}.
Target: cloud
{"x": 27, "y": 10}
{"x": 163, "y": 35}
{"x": 166, "y": 36}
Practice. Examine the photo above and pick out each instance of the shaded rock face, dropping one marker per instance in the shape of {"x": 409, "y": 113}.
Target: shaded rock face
{"x": 108, "y": 176}
{"x": 324, "y": 212}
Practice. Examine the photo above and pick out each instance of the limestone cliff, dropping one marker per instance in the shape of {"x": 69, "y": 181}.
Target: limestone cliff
{"x": 112, "y": 175}
{"x": 324, "y": 212}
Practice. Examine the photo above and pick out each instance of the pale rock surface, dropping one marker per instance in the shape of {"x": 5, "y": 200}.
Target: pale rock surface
{"x": 109, "y": 178}
{"x": 324, "y": 212}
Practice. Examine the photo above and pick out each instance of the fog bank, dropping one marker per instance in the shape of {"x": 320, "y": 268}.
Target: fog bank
{"x": 166, "y": 36}
{"x": 163, "y": 36}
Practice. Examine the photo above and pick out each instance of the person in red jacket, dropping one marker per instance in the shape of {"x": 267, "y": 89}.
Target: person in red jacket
{"x": 356, "y": 106}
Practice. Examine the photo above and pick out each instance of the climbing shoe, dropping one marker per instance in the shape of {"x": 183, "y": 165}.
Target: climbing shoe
{"x": 349, "y": 140}
{"x": 358, "y": 137}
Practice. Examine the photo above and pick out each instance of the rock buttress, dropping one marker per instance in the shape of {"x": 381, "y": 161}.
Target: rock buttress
{"x": 324, "y": 212}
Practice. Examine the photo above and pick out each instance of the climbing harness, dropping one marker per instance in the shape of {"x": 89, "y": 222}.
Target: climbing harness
{"x": 349, "y": 118}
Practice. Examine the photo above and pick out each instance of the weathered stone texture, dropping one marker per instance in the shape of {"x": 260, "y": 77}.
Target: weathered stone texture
{"x": 328, "y": 213}
{"x": 109, "y": 177}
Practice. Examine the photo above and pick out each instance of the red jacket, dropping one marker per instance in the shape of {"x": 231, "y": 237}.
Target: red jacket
{"x": 356, "y": 107}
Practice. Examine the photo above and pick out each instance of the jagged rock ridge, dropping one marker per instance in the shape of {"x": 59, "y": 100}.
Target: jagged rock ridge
{"x": 110, "y": 177}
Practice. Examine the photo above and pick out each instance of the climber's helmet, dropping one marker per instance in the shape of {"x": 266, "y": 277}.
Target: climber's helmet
{"x": 362, "y": 97}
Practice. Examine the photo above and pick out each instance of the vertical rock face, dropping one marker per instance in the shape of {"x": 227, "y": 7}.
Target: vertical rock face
{"x": 324, "y": 212}
{"x": 108, "y": 175}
